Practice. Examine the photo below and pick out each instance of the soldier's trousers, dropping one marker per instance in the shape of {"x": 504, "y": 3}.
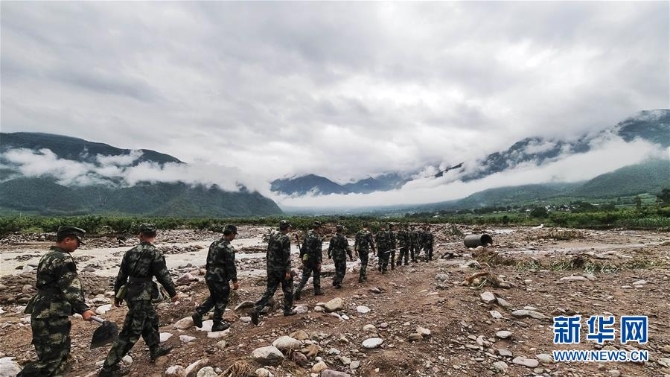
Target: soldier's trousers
{"x": 307, "y": 270}
{"x": 392, "y": 259}
{"x": 404, "y": 253}
{"x": 51, "y": 338}
{"x": 274, "y": 279}
{"x": 413, "y": 253}
{"x": 384, "y": 260}
{"x": 340, "y": 270}
{"x": 429, "y": 253}
{"x": 219, "y": 292}
{"x": 363, "y": 255}
{"x": 141, "y": 320}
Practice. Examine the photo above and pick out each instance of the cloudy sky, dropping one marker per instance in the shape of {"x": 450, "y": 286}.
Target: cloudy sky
{"x": 343, "y": 90}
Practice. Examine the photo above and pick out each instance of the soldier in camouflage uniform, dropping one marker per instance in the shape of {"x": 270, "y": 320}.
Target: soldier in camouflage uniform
{"x": 337, "y": 249}
{"x": 311, "y": 254}
{"x": 427, "y": 243}
{"x": 59, "y": 295}
{"x": 220, "y": 270}
{"x": 414, "y": 244}
{"x": 362, "y": 246}
{"x": 404, "y": 245}
{"x": 139, "y": 265}
{"x": 385, "y": 240}
{"x": 278, "y": 271}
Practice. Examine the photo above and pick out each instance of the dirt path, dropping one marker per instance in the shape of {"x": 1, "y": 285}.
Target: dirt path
{"x": 619, "y": 273}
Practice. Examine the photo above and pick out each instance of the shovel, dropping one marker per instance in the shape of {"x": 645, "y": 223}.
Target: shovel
{"x": 105, "y": 334}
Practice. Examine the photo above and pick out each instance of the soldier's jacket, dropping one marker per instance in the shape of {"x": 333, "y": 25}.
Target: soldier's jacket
{"x": 364, "y": 241}
{"x": 59, "y": 292}
{"x": 385, "y": 240}
{"x": 311, "y": 248}
{"x": 414, "y": 238}
{"x": 403, "y": 239}
{"x": 221, "y": 262}
{"x": 138, "y": 266}
{"x": 279, "y": 252}
{"x": 339, "y": 247}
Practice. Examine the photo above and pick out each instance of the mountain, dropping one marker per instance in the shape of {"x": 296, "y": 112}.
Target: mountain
{"x": 648, "y": 177}
{"x": 650, "y": 125}
{"x": 72, "y": 148}
{"x": 307, "y": 184}
{"x": 46, "y": 194}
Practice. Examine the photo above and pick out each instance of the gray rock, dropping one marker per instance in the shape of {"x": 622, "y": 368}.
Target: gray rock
{"x": 545, "y": 358}
{"x": 372, "y": 343}
{"x": 362, "y": 309}
{"x": 415, "y": 337}
{"x": 334, "y": 305}
{"x": 496, "y": 314}
{"x": 176, "y": 370}
{"x": 184, "y": 323}
{"x": 333, "y": 373}
{"x": 269, "y": 355}
{"x": 500, "y": 365}
{"x": 286, "y": 343}
{"x": 504, "y": 352}
{"x": 354, "y": 365}
{"x": 262, "y": 372}
{"x": 488, "y": 297}
{"x": 501, "y": 301}
{"x": 530, "y": 363}
{"x": 504, "y": 334}
{"x": 442, "y": 277}
{"x": 207, "y": 372}
{"x": 8, "y": 367}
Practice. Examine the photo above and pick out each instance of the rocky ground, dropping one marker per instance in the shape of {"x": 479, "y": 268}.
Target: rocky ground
{"x": 473, "y": 312}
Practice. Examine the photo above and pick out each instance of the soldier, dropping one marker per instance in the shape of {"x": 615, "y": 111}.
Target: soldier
{"x": 220, "y": 270}
{"x": 414, "y": 244}
{"x": 336, "y": 249}
{"x": 278, "y": 271}
{"x": 362, "y": 246}
{"x": 385, "y": 240}
{"x": 59, "y": 295}
{"x": 139, "y": 265}
{"x": 311, "y": 255}
{"x": 427, "y": 243}
{"x": 403, "y": 244}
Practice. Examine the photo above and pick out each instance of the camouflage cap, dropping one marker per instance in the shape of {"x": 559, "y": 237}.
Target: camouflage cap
{"x": 366, "y": 224}
{"x": 316, "y": 224}
{"x": 230, "y": 229}
{"x": 389, "y": 225}
{"x": 339, "y": 228}
{"x": 64, "y": 231}
{"x": 284, "y": 224}
{"x": 147, "y": 228}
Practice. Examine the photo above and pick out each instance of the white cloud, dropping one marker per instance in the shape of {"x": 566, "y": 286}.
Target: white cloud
{"x": 343, "y": 90}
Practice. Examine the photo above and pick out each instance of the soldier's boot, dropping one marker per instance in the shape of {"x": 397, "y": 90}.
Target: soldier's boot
{"x": 318, "y": 292}
{"x": 296, "y": 295}
{"x": 113, "y": 371}
{"x": 197, "y": 319}
{"x": 360, "y": 279}
{"x": 289, "y": 312}
{"x": 158, "y": 352}
{"x": 220, "y": 326}
{"x": 254, "y": 316}
{"x": 338, "y": 286}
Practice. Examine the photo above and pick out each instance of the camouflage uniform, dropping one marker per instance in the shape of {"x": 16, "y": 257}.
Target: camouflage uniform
{"x": 404, "y": 245}
{"x": 362, "y": 246}
{"x": 278, "y": 265}
{"x": 427, "y": 244}
{"x": 138, "y": 266}
{"x": 59, "y": 295}
{"x": 220, "y": 270}
{"x": 385, "y": 240}
{"x": 414, "y": 247}
{"x": 338, "y": 250}
{"x": 311, "y": 256}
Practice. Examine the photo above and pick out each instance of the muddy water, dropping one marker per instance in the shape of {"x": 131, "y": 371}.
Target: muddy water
{"x": 109, "y": 258}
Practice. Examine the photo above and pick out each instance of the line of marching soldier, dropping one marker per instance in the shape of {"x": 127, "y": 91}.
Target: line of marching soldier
{"x": 60, "y": 294}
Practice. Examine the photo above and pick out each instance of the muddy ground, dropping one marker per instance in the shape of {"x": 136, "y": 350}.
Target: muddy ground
{"x": 545, "y": 270}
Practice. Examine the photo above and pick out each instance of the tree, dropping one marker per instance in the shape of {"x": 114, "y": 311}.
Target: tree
{"x": 664, "y": 197}
{"x": 539, "y": 212}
